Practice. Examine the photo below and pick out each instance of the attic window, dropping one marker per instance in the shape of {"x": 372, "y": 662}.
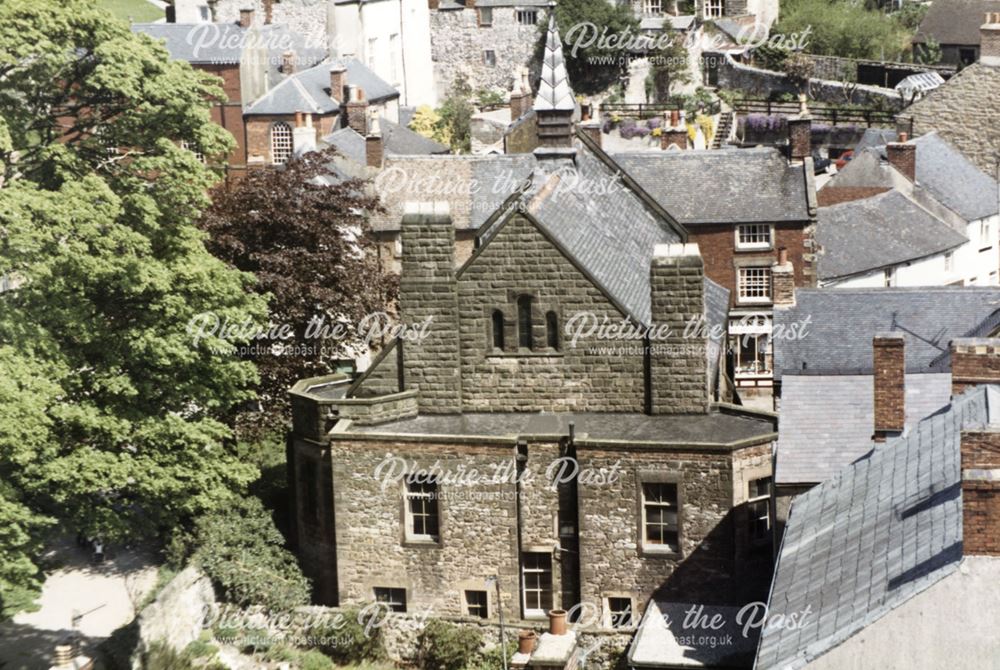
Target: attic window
{"x": 281, "y": 143}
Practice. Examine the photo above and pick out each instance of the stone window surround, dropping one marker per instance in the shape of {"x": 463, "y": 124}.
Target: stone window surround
{"x": 407, "y": 539}
{"x": 606, "y": 620}
{"x": 466, "y": 604}
{"x": 658, "y": 477}
{"x": 539, "y": 330}
{"x": 484, "y": 17}
{"x": 392, "y": 592}
{"x": 537, "y": 615}
{"x": 748, "y": 261}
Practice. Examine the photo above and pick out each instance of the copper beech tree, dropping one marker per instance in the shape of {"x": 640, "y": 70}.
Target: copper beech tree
{"x": 305, "y": 235}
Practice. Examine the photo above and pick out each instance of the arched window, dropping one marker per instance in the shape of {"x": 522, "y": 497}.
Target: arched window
{"x": 497, "y": 329}
{"x": 552, "y": 330}
{"x": 524, "y": 321}
{"x": 281, "y": 143}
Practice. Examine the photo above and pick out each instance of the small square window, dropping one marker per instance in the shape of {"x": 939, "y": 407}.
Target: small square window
{"x": 753, "y": 236}
{"x": 477, "y": 604}
{"x": 393, "y": 598}
{"x": 620, "y": 612}
{"x": 754, "y": 285}
{"x": 713, "y": 9}
{"x": 652, "y": 7}
{"x": 490, "y": 58}
{"x": 485, "y": 17}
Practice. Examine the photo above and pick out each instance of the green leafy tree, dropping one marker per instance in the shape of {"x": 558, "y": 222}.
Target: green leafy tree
{"x": 843, "y": 28}
{"x": 929, "y": 52}
{"x": 115, "y": 421}
{"x": 592, "y": 63}
{"x": 454, "y": 123}
{"x": 309, "y": 245}
{"x": 671, "y": 68}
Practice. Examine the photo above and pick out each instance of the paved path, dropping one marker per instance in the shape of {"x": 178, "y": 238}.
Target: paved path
{"x": 104, "y": 595}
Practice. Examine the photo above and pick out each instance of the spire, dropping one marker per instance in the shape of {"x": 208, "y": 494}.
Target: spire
{"x": 554, "y": 93}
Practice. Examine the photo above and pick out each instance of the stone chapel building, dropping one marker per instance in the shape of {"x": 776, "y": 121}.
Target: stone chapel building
{"x": 502, "y": 437}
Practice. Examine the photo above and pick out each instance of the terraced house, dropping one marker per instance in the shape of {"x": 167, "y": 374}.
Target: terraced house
{"x": 500, "y": 439}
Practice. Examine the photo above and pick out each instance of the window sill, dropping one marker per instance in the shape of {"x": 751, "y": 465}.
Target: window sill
{"x": 657, "y": 552}
{"x": 742, "y": 248}
{"x": 754, "y": 301}
{"x": 421, "y": 543}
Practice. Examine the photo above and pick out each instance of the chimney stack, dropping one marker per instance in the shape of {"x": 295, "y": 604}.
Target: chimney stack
{"x": 675, "y": 133}
{"x": 338, "y": 80}
{"x": 981, "y": 492}
{"x": 903, "y": 156}
{"x": 974, "y": 361}
{"x": 783, "y": 279}
{"x": 288, "y": 63}
{"x": 357, "y": 111}
{"x": 989, "y": 36}
{"x": 374, "y": 148}
{"x": 800, "y": 133}
{"x": 889, "y": 385}
{"x": 246, "y": 17}
{"x": 520, "y": 100}
{"x": 268, "y": 11}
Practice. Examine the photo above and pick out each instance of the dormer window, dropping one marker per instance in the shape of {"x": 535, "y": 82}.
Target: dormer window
{"x": 524, "y": 322}
{"x": 552, "y": 330}
{"x": 498, "y": 325}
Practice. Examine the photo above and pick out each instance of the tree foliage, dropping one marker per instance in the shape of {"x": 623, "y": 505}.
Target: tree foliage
{"x": 844, "y": 28}
{"x": 309, "y": 245}
{"x": 593, "y": 64}
{"x": 670, "y": 68}
{"x": 114, "y": 423}
{"x": 445, "y": 646}
{"x": 454, "y": 117}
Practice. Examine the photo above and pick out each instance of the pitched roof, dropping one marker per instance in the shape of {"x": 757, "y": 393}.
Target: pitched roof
{"x": 955, "y": 21}
{"x": 840, "y": 324}
{"x": 878, "y": 533}
{"x": 884, "y": 230}
{"x": 397, "y": 140}
{"x": 309, "y": 90}
{"x": 827, "y": 421}
{"x": 721, "y": 186}
{"x": 554, "y": 93}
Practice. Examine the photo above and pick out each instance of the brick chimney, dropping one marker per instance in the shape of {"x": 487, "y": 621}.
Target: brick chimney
{"x": 903, "y": 156}
{"x": 678, "y": 364}
{"x": 981, "y": 492}
{"x": 800, "y": 133}
{"x": 889, "y": 384}
{"x": 338, "y": 80}
{"x": 974, "y": 361}
{"x": 357, "y": 111}
{"x": 374, "y": 147}
{"x": 783, "y": 279}
{"x": 989, "y": 35}
{"x": 427, "y": 290}
{"x": 288, "y": 63}
{"x": 674, "y": 133}
{"x": 520, "y": 100}
{"x": 246, "y": 17}
{"x": 268, "y": 12}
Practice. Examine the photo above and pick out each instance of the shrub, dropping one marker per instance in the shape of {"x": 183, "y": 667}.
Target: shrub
{"x": 352, "y": 642}
{"x": 243, "y": 553}
{"x": 161, "y": 656}
{"x": 654, "y": 123}
{"x": 314, "y": 660}
{"x": 444, "y": 646}
{"x": 493, "y": 658}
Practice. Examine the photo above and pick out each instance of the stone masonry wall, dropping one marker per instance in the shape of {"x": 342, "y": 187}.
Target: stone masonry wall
{"x": 520, "y": 260}
{"x": 307, "y": 17}
{"x": 964, "y": 112}
{"x": 427, "y": 291}
{"x": 458, "y": 44}
{"x": 678, "y": 365}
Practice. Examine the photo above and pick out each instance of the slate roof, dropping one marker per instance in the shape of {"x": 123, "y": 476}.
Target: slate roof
{"x": 875, "y": 137}
{"x": 878, "y": 533}
{"x": 309, "y": 90}
{"x": 827, "y": 421}
{"x": 721, "y": 186}
{"x": 955, "y": 21}
{"x": 842, "y": 322}
{"x": 397, "y": 140}
{"x": 554, "y": 93}
{"x": 884, "y": 230}
{"x": 680, "y": 429}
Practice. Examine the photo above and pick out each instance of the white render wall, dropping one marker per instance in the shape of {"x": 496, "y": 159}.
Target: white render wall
{"x": 975, "y": 263}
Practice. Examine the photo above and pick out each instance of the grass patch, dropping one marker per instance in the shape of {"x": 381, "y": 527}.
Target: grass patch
{"x": 140, "y": 11}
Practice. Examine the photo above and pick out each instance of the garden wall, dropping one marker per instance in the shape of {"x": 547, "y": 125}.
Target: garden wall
{"x": 764, "y": 83}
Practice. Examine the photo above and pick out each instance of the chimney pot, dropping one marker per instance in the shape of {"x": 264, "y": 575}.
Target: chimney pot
{"x": 782, "y": 255}
{"x": 526, "y": 641}
{"x": 557, "y": 622}
{"x": 889, "y": 384}
{"x": 246, "y": 17}
{"x": 357, "y": 111}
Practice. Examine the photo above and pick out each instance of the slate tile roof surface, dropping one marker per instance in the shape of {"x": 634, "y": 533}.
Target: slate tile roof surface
{"x": 713, "y": 428}
{"x": 879, "y": 532}
{"x": 840, "y": 325}
{"x": 309, "y": 90}
{"x": 955, "y": 21}
{"x": 827, "y": 421}
{"x": 721, "y": 186}
{"x": 397, "y": 140}
{"x": 887, "y": 229}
